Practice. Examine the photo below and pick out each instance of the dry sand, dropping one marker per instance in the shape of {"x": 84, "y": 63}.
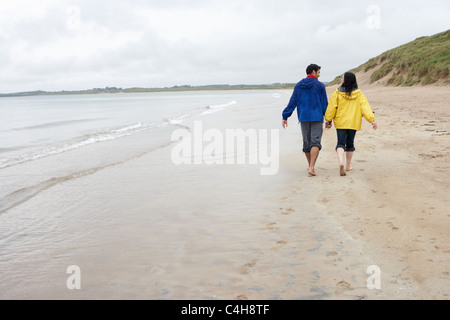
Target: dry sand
{"x": 393, "y": 204}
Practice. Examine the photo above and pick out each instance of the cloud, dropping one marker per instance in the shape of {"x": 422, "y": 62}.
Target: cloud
{"x": 67, "y": 45}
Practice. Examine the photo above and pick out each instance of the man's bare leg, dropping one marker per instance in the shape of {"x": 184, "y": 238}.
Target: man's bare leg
{"x": 349, "y": 156}
{"x": 308, "y": 157}
{"x": 340, "y": 153}
{"x": 313, "y": 158}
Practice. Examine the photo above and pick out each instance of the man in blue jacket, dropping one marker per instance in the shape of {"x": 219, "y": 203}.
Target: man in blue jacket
{"x": 310, "y": 99}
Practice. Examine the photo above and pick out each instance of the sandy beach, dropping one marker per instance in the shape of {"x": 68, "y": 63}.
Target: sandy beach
{"x": 142, "y": 227}
{"x": 393, "y": 203}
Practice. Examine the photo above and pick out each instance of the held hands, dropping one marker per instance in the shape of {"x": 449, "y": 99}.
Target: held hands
{"x": 374, "y": 125}
{"x": 284, "y": 123}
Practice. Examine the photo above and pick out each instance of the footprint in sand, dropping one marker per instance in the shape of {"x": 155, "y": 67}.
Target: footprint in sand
{"x": 391, "y": 225}
{"x": 286, "y": 211}
{"x": 441, "y": 133}
{"x": 342, "y": 286}
{"x": 245, "y": 269}
{"x": 332, "y": 256}
{"x": 295, "y": 190}
{"x": 280, "y": 244}
{"x": 431, "y": 156}
{"x": 271, "y": 226}
{"x": 325, "y": 200}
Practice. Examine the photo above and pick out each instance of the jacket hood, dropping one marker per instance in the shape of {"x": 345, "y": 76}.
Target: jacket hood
{"x": 308, "y": 83}
{"x": 354, "y": 95}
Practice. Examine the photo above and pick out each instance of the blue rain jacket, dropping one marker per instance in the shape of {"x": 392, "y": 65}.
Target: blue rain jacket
{"x": 310, "y": 99}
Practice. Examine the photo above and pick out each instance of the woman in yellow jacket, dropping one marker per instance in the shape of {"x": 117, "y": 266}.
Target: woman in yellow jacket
{"x": 346, "y": 107}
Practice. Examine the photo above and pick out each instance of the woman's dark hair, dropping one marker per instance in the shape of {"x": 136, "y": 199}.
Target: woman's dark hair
{"x": 349, "y": 83}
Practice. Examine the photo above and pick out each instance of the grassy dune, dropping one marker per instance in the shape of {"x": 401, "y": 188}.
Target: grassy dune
{"x": 423, "y": 61}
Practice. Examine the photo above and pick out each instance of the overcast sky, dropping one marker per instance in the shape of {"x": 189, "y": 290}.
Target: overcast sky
{"x": 57, "y": 45}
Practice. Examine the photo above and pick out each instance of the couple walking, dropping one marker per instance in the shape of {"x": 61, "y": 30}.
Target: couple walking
{"x": 347, "y": 106}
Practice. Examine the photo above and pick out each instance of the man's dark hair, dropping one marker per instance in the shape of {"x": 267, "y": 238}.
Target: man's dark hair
{"x": 349, "y": 83}
{"x": 312, "y": 67}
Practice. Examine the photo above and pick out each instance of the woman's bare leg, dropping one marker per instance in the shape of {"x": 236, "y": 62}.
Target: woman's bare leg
{"x": 349, "y": 156}
{"x": 340, "y": 153}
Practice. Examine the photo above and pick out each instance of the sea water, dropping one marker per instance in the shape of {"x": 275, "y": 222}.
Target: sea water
{"x": 40, "y": 126}
{"x": 87, "y": 180}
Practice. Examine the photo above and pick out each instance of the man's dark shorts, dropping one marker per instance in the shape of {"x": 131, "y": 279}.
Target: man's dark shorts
{"x": 346, "y": 139}
{"x": 312, "y": 135}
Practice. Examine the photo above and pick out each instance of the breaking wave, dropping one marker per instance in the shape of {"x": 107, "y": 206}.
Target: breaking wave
{"x": 97, "y": 136}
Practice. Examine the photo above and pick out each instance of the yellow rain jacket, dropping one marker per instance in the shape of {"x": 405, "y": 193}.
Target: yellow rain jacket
{"x": 347, "y": 111}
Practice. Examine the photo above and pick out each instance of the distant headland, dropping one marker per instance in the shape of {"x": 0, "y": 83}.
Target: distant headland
{"x": 143, "y": 90}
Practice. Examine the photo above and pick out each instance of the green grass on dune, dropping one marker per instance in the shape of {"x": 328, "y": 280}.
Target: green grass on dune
{"x": 424, "y": 61}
